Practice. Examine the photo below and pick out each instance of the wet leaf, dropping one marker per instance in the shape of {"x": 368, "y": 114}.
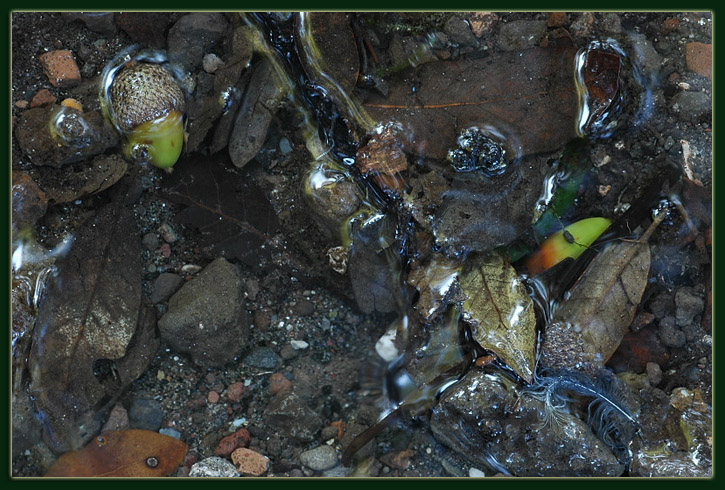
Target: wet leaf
{"x": 589, "y": 325}
{"x": 528, "y": 94}
{"x": 71, "y": 182}
{"x": 500, "y": 312}
{"x": 90, "y": 316}
{"x": 122, "y": 453}
{"x": 434, "y": 282}
{"x": 231, "y": 213}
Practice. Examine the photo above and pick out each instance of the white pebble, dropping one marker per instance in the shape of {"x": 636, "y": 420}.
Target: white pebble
{"x": 476, "y": 473}
{"x": 385, "y": 346}
{"x": 299, "y": 344}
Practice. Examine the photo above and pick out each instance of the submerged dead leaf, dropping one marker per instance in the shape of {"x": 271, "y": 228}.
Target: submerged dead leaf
{"x": 122, "y": 453}
{"x": 231, "y": 213}
{"x": 589, "y": 326}
{"x": 528, "y": 94}
{"x": 93, "y": 335}
{"x": 500, "y": 312}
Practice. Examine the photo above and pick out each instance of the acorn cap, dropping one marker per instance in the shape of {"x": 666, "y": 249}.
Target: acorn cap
{"x": 142, "y": 92}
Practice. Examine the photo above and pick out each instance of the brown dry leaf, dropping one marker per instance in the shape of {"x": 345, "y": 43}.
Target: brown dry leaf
{"x": 589, "y": 326}
{"x": 500, "y": 312}
{"x": 122, "y": 453}
{"x": 529, "y": 94}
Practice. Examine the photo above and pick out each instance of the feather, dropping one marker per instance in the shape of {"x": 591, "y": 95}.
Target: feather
{"x": 608, "y": 416}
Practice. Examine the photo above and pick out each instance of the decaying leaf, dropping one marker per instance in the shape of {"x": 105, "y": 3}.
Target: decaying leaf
{"x": 382, "y": 154}
{"x": 122, "y": 453}
{"x": 434, "y": 282}
{"x": 93, "y": 336}
{"x": 589, "y": 326}
{"x": 529, "y": 94}
{"x": 232, "y": 214}
{"x": 500, "y": 312}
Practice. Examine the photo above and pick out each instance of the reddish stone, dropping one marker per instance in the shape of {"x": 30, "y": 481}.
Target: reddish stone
{"x": 250, "y": 463}
{"x": 398, "y": 460}
{"x": 231, "y": 442}
{"x": 235, "y": 391}
{"x": 43, "y": 98}
{"x": 61, "y": 68}
{"x": 22, "y": 104}
{"x": 341, "y": 426}
{"x": 165, "y": 250}
{"x": 279, "y": 384}
{"x": 557, "y": 19}
{"x": 699, "y": 58}
{"x": 670, "y": 25}
{"x": 213, "y": 397}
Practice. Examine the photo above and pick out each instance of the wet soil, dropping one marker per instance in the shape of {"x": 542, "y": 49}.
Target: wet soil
{"x": 293, "y": 295}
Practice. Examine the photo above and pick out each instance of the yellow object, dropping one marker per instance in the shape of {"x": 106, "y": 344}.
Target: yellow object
{"x": 572, "y": 241}
{"x": 73, "y": 104}
{"x": 158, "y": 142}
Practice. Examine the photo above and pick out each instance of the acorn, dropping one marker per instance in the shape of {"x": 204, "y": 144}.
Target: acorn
{"x": 146, "y": 105}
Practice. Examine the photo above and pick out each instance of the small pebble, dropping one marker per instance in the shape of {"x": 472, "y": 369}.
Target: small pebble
{"x": 249, "y": 462}
{"x": 117, "y": 419}
{"x": 476, "y": 473}
{"x": 150, "y": 241}
{"x": 43, "y": 98}
{"x": 213, "y": 397}
{"x": 145, "y": 414}
{"x": 654, "y": 373}
{"x": 263, "y": 358}
{"x": 171, "y": 432}
{"x": 61, "y": 69}
{"x": 299, "y": 344}
{"x": 278, "y": 383}
{"x": 233, "y": 441}
{"x": 284, "y": 145}
{"x": 235, "y": 391}
{"x": 320, "y": 458}
{"x": 213, "y": 467}
{"x": 211, "y": 63}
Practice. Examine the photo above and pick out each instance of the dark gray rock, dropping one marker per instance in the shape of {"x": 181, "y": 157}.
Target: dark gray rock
{"x": 193, "y": 36}
{"x": 521, "y": 34}
{"x": 495, "y": 427}
{"x": 692, "y": 106}
{"x": 459, "y": 31}
{"x": 206, "y": 317}
{"x": 293, "y": 418}
{"x": 100, "y": 22}
{"x": 165, "y": 285}
{"x": 670, "y": 335}
{"x": 688, "y": 304}
{"x": 145, "y": 414}
{"x": 263, "y": 358}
